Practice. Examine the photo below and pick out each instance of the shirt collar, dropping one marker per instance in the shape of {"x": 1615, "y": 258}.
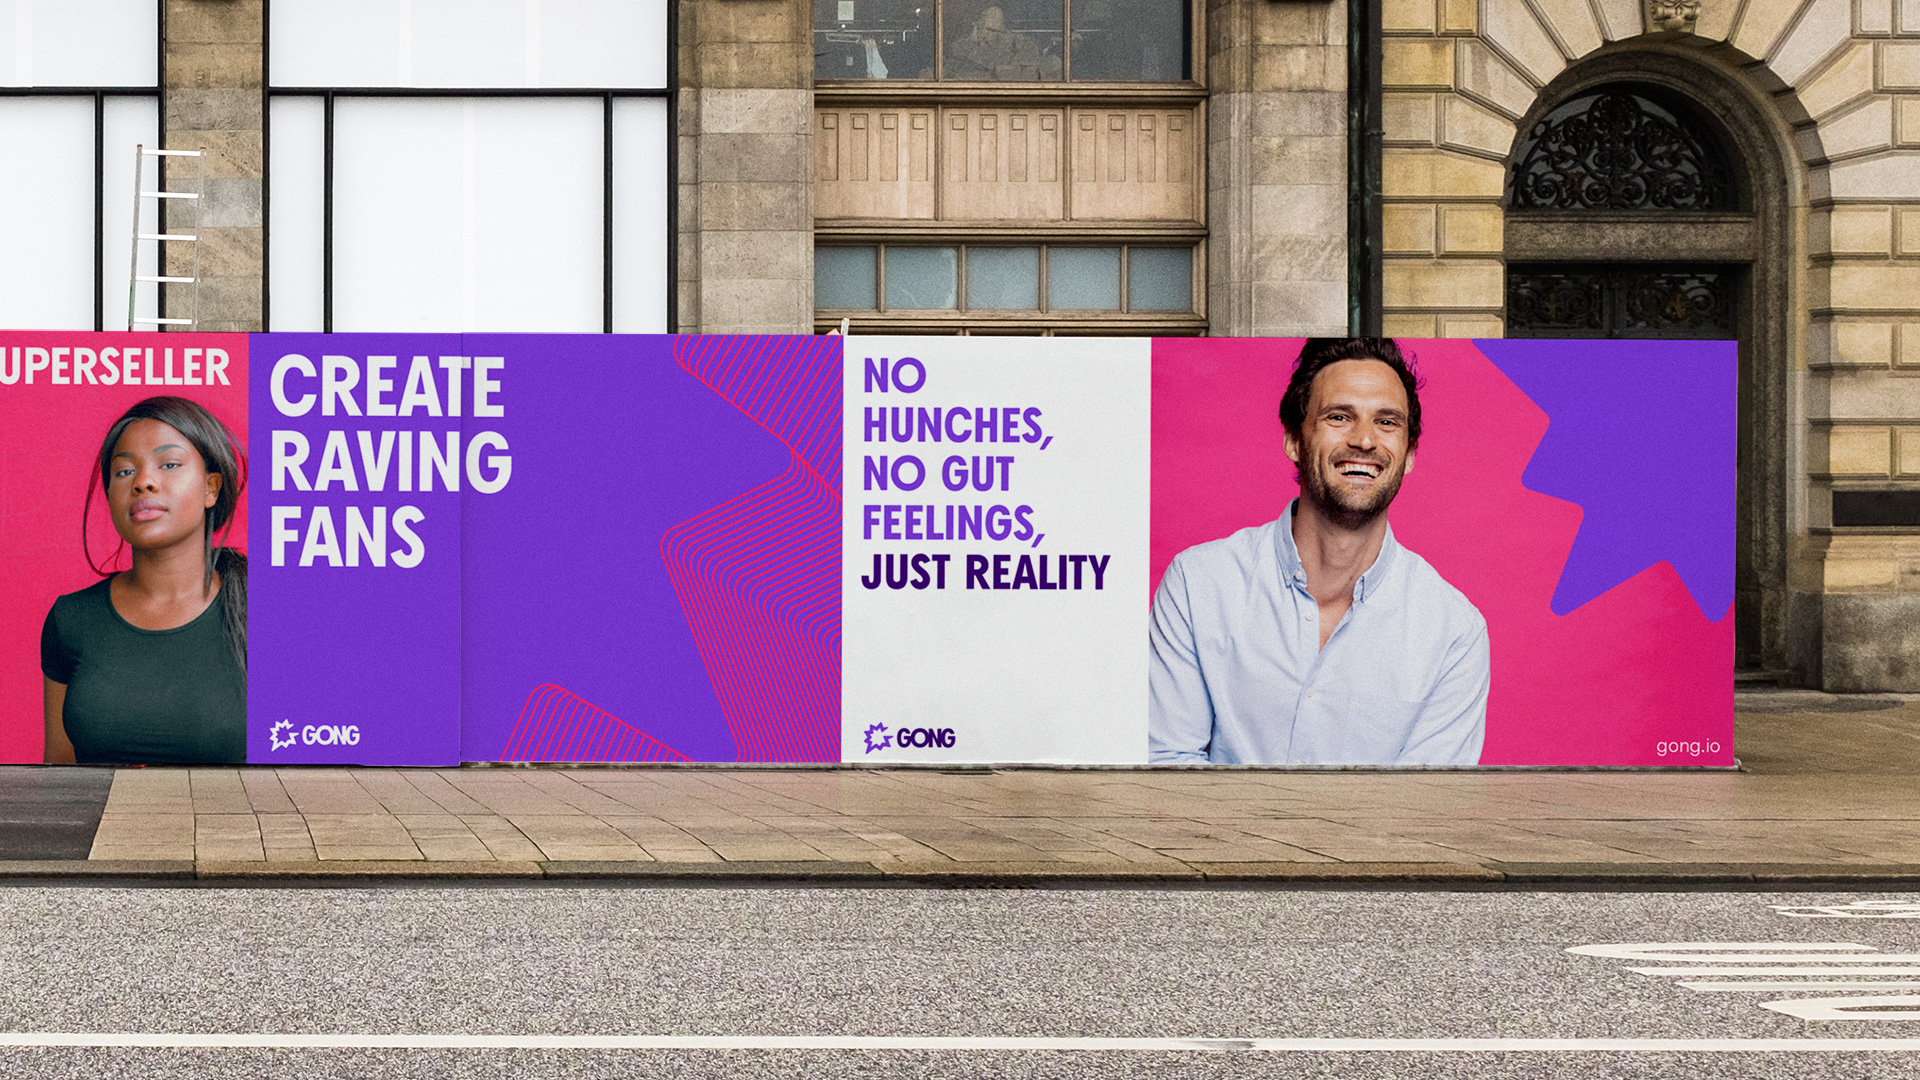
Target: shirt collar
{"x": 1294, "y": 572}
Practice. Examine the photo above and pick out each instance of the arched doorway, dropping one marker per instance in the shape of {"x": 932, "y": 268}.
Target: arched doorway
{"x": 1649, "y": 196}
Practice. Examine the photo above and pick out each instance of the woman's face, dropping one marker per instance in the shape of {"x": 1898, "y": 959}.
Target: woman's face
{"x": 158, "y": 487}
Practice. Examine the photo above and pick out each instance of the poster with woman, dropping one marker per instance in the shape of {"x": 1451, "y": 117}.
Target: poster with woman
{"x": 123, "y": 541}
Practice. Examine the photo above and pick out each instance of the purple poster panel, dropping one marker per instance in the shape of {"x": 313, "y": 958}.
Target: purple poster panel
{"x": 660, "y": 579}
{"x": 362, "y": 450}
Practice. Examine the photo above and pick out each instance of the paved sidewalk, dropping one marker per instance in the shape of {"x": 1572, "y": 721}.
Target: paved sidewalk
{"x": 1829, "y": 792}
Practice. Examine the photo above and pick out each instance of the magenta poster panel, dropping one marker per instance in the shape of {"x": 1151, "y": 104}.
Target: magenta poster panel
{"x": 1546, "y": 493}
{"x": 61, "y": 394}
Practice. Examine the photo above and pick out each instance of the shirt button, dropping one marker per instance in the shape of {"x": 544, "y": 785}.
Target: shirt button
{"x": 1309, "y": 693}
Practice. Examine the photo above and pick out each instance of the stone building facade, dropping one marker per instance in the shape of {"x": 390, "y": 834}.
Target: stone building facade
{"x": 1815, "y": 110}
{"x": 1183, "y": 167}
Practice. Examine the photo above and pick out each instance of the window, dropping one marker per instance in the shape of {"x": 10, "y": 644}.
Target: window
{"x": 1622, "y": 148}
{"x": 1631, "y": 301}
{"x": 985, "y": 284}
{"x": 1026, "y": 167}
{"x": 547, "y": 123}
{"x": 81, "y": 90}
{"x": 1003, "y": 40}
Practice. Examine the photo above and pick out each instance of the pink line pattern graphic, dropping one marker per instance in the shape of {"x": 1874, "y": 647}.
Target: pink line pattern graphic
{"x": 559, "y": 725}
{"x": 759, "y": 575}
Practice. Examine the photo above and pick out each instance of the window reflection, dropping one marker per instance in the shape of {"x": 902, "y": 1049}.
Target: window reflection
{"x": 1160, "y": 279}
{"x": 1005, "y": 278}
{"x": 843, "y": 277}
{"x": 873, "y": 39}
{"x": 1005, "y": 40}
{"x": 923, "y": 278}
{"x": 1144, "y": 40}
{"x": 1087, "y": 278}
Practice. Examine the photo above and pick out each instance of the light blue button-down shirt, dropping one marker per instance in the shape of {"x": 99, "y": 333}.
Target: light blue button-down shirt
{"x": 1238, "y": 675}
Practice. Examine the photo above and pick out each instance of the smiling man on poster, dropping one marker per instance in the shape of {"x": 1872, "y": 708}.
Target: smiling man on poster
{"x": 1316, "y": 639}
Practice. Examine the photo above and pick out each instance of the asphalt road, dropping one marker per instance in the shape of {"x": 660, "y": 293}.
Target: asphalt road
{"x": 752, "y": 964}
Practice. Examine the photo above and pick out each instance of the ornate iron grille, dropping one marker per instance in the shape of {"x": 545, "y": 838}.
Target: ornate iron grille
{"x": 1620, "y": 302}
{"x": 1617, "y": 150}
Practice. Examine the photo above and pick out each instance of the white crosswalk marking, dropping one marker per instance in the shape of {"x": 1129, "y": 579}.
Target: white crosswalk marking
{"x": 1815, "y": 962}
{"x": 1859, "y": 909}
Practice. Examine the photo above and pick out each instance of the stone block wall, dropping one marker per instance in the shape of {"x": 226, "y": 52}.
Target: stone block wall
{"x": 1863, "y": 330}
{"x": 1277, "y": 168}
{"x": 746, "y": 167}
{"x": 212, "y": 99}
{"x": 1841, "y": 80}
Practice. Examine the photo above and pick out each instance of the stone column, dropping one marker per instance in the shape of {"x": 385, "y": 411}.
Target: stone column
{"x": 211, "y": 99}
{"x": 746, "y": 149}
{"x": 1277, "y": 168}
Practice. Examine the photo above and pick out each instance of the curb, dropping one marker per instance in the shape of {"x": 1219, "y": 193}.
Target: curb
{"x": 1015, "y": 874}
{"x": 356, "y": 870}
{"x": 1710, "y": 873}
{"x": 1356, "y": 872}
{"x": 138, "y": 869}
{"x": 975, "y": 875}
{"x": 617, "y": 870}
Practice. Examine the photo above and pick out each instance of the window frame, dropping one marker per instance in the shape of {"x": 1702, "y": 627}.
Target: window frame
{"x": 668, "y": 93}
{"x": 963, "y": 319}
{"x": 100, "y": 94}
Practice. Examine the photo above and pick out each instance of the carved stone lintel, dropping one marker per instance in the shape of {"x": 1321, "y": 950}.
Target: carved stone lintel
{"x": 1677, "y": 16}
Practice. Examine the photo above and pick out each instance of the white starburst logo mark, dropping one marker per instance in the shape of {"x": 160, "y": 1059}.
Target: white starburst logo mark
{"x": 284, "y": 727}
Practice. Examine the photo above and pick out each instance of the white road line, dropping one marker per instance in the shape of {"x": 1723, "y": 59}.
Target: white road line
{"x": 1809, "y": 971}
{"x": 854, "y": 1042}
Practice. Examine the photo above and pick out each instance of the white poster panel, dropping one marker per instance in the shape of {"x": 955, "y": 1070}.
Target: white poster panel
{"x": 130, "y": 122}
{"x": 469, "y": 214}
{"x": 994, "y": 577}
{"x": 79, "y": 43}
{"x": 470, "y": 44}
{"x": 640, "y": 251}
{"x": 297, "y": 220}
{"x": 46, "y": 279}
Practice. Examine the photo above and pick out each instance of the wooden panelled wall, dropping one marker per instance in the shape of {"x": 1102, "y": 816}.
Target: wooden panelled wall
{"x": 1007, "y": 164}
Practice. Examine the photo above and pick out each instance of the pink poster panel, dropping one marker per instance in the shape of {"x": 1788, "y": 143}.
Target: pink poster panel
{"x": 1552, "y": 489}
{"x": 60, "y": 393}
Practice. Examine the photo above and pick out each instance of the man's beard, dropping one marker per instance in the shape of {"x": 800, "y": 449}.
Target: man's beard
{"x": 1346, "y": 508}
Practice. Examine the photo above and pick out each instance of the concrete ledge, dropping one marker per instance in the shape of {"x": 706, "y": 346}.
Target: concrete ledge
{"x": 1626, "y": 873}
{"x": 364, "y": 870}
{"x": 1901, "y": 873}
{"x": 797, "y": 870}
{"x": 1347, "y": 871}
{"x": 149, "y": 869}
{"x": 1027, "y": 873}
{"x": 1711, "y": 873}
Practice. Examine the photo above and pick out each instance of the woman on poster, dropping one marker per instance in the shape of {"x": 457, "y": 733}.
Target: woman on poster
{"x": 149, "y": 665}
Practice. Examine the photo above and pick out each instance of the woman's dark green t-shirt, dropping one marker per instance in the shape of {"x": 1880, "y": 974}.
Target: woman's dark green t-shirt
{"x": 144, "y": 696}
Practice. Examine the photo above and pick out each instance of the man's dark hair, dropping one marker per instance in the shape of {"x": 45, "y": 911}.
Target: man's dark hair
{"x": 1317, "y": 353}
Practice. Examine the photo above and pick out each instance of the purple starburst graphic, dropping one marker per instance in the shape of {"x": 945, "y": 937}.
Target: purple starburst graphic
{"x": 1643, "y": 440}
{"x": 885, "y": 740}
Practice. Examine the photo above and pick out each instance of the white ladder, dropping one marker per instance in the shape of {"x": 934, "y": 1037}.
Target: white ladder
{"x": 159, "y": 194}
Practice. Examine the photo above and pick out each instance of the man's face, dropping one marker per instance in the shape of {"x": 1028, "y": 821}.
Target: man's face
{"x": 1352, "y": 447}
